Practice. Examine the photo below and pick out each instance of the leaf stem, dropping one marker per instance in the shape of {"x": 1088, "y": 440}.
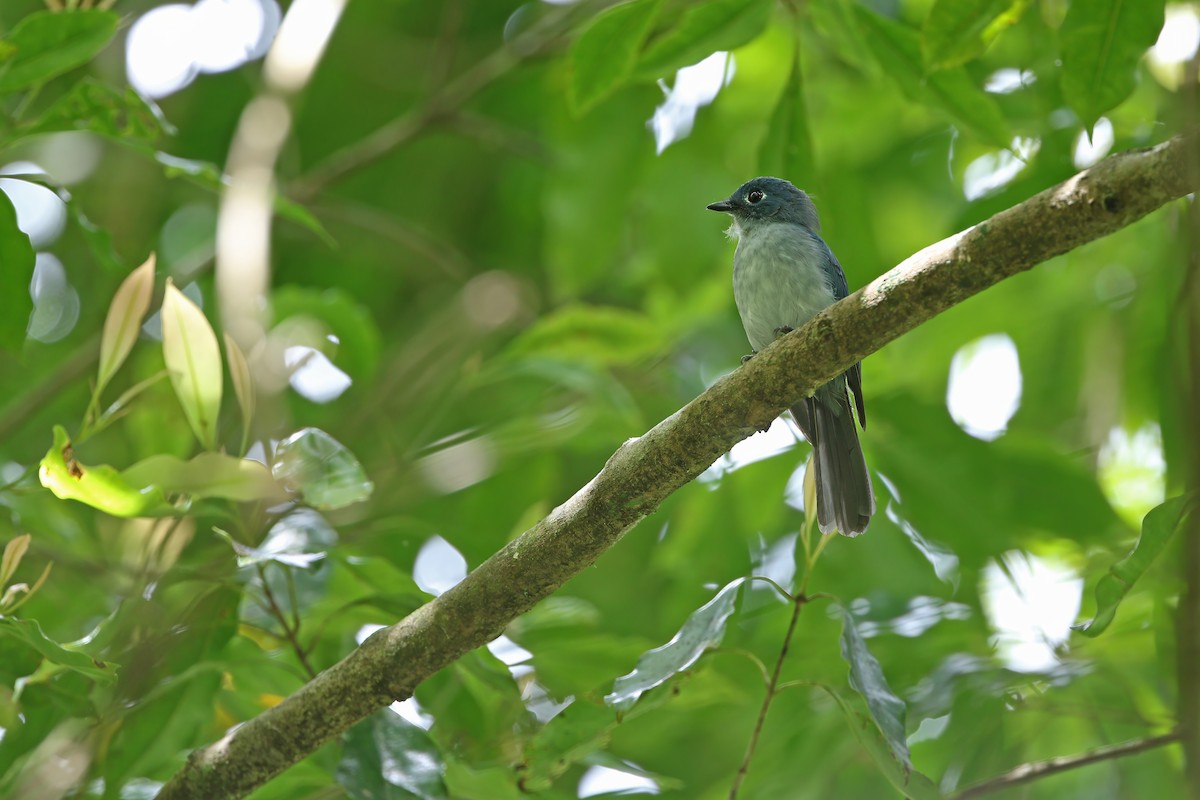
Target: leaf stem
{"x": 772, "y": 688}
{"x": 292, "y": 634}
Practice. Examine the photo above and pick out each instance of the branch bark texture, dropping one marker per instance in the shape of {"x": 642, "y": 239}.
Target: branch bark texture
{"x": 645, "y": 470}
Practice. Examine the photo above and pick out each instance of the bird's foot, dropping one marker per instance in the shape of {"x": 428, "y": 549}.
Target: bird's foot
{"x": 753, "y": 353}
{"x": 782, "y": 329}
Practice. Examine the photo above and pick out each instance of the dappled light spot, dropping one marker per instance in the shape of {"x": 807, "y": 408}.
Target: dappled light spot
{"x": 313, "y": 375}
{"x": 1091, "y": 148}
{"x": 1132, "y": 471}
{"x": 1030, "y": 603}
{"x": 439, "y": 566}
{"x": 695, "y": 86}
{"x": 171, "y": 44}
{"x": 492, "y": 299}
{"x": 985, "y": 386}
{"x": 55, "y": 301}
{"x": 1009, "y": 80}
{"x": 608, "y": 781}
{"x": 41, "y": 213}
{"x": 993, "y": 171}
{"x": 457, "y": 466}
{"x": 771, "y": 442}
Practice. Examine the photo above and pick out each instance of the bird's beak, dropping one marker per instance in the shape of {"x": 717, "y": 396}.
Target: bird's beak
{"x": 721, "y": 205}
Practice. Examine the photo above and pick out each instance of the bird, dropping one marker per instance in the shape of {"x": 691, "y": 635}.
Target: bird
{"x": 783, "y": 275}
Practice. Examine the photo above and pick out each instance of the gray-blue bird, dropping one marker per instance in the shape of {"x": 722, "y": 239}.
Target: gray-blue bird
{"x": 783, "y": 275}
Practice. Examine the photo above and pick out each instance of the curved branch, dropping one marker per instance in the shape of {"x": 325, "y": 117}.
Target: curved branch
{"x": 1026, "y": 773}
{"x": 645, "y": 470}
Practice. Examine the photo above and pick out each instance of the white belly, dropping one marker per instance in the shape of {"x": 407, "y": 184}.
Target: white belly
{"x": 778, "y": 280}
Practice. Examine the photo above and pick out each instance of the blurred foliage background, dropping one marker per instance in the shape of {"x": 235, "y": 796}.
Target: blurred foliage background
{"x": 491, "y": 264}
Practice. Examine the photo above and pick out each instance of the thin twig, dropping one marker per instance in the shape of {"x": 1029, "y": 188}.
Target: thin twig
{"x": 1035, "y": 770}
{"x": 292, "y": 634}
{"x": 797, "y": 603}
{"x": 453, "y": 96}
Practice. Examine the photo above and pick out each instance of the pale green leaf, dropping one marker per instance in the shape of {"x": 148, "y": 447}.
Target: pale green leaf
{"x": 98, "y": 486}
{"x": 207, "y": 475}
{"x": 14, "y": 551}
{"x": 194, "y": 363}
{"x": 124, "y": 320}
{"x": 243, "y": 383}
{"x": 321, "y": 469}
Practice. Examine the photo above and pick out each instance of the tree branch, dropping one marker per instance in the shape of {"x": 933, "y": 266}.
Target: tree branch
{"x": 645, "y": 470}
{"x": 1040, "y": 769}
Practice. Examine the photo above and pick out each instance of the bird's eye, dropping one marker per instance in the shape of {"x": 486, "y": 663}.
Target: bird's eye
{"x": 755, "y": 196}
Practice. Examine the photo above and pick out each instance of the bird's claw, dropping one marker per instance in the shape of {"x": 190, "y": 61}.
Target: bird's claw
{"x": 782, "y": 329}
{"x": 753, "y": 353}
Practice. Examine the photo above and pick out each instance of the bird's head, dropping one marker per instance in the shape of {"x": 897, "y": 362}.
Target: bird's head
{"x": 769, "y": 200}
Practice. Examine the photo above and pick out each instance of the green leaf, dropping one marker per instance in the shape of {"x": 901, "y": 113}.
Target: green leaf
{"x": 385, "y": 757}
{"x": 321, "y": 470}
{"x": 703, "y": 29}
{"x": 194, "y": 363}
{"x": 898, "y": 50}
{"x": 956, "y": 31}
{"x": 866, "y": 678}
{"x": 124, "y": 321}
{"x": 207, "y": 475}
{"x": 97, "y": 107}
{"x": 704, "y": 629}
{"x": 603, "y": 56}
{"x": 592, "y": 334}
{"x": 787, "y": 149}
{"x": 1158, "y": 526}
{"x": 48, "y": 44}
{"x": 99, "y": 486}
{"x": 487, "y": 783}
{"x": 17, "y": 256}
{"x": 579, "y": 731}
{"x": 910, "y": 783}
{"x": 30, "y": 632}
{"x": 1102, "y": 42}
{"x": 837, "y": 22}
{"x": 243, "y": 384}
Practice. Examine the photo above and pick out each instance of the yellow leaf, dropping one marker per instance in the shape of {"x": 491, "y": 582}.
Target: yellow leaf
{"x": 124, "y": 320}
{"x": 193, "y": 362}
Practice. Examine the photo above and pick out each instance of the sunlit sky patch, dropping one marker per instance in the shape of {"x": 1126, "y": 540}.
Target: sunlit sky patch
{"x": 1090, "y": 149}
{"x": 170, "y": 45}
{"x": 600, "y": 780}
{"x": 1030, "y": 604}
{"x": 1008, "y": 80}
{"x": 439, "y": 566}
{"x": 695, "y": 86}
{"x": 993, "y": 171}
{"x": 985, "y": 386}
{"x": 1133, "y": 471}
{"x": 775, "y": 440}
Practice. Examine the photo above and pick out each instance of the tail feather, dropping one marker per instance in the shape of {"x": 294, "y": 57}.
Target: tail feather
{"x": 845, "y": 497}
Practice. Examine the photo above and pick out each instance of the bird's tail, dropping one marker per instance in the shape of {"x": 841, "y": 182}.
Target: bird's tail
{"x": 845, "y": 498}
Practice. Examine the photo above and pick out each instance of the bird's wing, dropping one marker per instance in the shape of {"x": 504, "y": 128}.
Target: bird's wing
{"x": 837, "y": 281}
